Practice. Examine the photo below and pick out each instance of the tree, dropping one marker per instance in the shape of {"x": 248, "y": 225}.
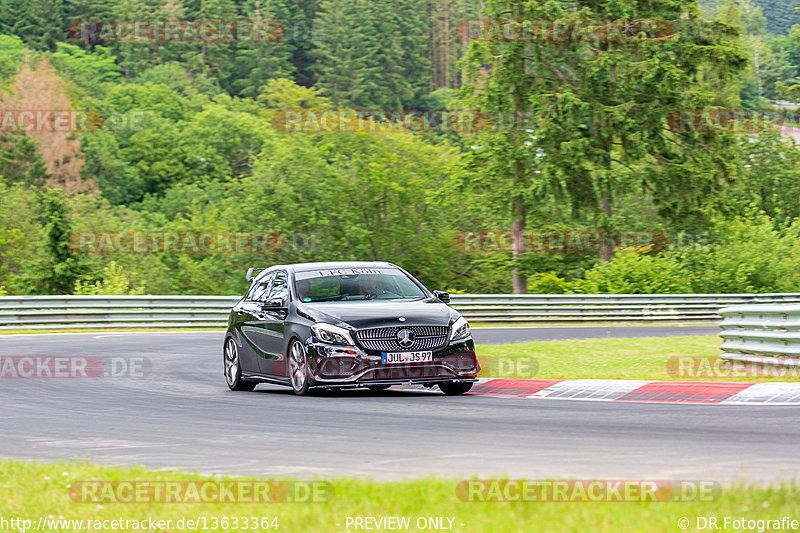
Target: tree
{"x": 597, "y": 106}
{"x": 373, "y": 54}
{"x": 297, "y": 18}
{"x": 21, "y": 239}
{"x": 63, "y": 265}
{"x": 12, "y": 53}
{"x": 387, "y": 182}
{"x": 339, "y": 57}
{"x": 770, "y": 179}
{"x": 767, "y": 65}
{"x": 135, "y": 57}
{"x": 90, "y": 71}
{"x": 259, "y": 61}
{"x": 20, "y": 160}
{"x": 40, "y": 23}
{"x": 780, "y": 16}
{"x": 448, "y": 43}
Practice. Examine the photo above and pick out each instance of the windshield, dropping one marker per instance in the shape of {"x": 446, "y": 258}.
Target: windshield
{"x": 355, "y": 284}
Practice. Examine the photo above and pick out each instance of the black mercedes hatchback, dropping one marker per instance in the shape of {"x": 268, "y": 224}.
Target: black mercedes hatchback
{"x": 344, "y": 325}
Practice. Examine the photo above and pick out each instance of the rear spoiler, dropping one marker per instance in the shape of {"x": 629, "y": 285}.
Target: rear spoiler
{"x": 251, "y": 271}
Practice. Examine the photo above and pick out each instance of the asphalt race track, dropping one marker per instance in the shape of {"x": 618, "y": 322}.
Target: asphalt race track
{"x": 182, "y": 415}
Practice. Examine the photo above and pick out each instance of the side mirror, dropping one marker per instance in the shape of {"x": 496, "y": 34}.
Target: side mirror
{"x": 443, "y": 296}
{"x": 272, "y": 304}
{"x": 252, "y": 271}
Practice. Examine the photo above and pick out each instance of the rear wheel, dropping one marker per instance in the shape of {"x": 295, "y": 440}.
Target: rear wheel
{"x": 298, "y": 368}
{"x": 233, "y": 368}
{"x": 452, "y": 388}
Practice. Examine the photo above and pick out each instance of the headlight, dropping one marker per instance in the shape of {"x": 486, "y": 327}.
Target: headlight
{"x": 460, "y": 329}
{"x": 332, "y": 334}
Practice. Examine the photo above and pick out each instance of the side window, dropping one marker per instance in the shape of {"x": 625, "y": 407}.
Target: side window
{"x": 259, "y": 291}
{"x": 249, "y": 295}
{"x": 280, "y": 288}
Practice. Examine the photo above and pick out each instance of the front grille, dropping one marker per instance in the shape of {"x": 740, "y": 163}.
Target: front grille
{"x": 385, "y": 339}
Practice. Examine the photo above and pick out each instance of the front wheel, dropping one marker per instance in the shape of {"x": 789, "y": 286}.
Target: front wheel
{"x": 452, "y": 388}
{"x": 298, "y": 368}
{"x": 233, "y": 368}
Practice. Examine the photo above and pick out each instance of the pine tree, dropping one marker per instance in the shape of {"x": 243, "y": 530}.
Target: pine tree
{"x": 64, "y": 266}
{"x": 20, "y": 160}
{"x": 373, "y": 54}
{"x": 78, "y": 12}
{"x": 339, "y": 51}
{"x": 137, "y": 56}
{"x": 40, "y": 23}
{"x": 259, "y": 61}
{"x": 297, "y": 18}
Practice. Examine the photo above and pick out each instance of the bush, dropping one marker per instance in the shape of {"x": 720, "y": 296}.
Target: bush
{"x": 549, "y": 283}
{"x": 632, "y": 272}
{"x": 751, "y": 256}
{"x": 114, "y": 280}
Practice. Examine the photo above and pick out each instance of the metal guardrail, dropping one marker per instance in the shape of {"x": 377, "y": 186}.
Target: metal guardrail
{"x": 53, "y": 312}
{"x": 761, "y": 333}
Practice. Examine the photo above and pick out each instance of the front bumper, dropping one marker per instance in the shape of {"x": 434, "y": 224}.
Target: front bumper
{"x": 351, "y": 366}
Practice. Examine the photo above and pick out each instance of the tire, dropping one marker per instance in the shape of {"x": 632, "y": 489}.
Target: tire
{"x": 298, "y": 368}
{"x": 452, "y": 388}
{"x": 233, "y": 368}
{"x": 378, "y": 388}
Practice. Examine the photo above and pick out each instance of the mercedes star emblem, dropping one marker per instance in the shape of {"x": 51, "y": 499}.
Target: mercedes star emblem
{"x": 405, "y": 338}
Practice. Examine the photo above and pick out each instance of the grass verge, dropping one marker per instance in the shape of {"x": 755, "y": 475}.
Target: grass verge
{"x": 646, "y": 358}
{"x": 31, "y": 490}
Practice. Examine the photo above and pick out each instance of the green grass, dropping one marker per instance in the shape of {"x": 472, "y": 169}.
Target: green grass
{"x": 640, "y": 358}
{"x": 478, "y": 324}
{"x": 31, "y": 489}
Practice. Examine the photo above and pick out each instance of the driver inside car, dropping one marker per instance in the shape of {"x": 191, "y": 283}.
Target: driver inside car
{"x": 368, "y": 287}
{"x": 303, "y": 289}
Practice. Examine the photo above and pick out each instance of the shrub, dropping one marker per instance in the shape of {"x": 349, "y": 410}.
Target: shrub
{"x": 549, "y": 283}
{"x": 632, "y": 272}
{"x": 114, "y": 280}
{"x": 751, "y": 256}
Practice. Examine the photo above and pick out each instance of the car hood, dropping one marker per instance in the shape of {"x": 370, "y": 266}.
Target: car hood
{"x": 374, "y": 313}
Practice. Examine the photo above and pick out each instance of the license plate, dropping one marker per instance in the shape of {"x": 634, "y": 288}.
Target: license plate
{"x": 406, "y": 357}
